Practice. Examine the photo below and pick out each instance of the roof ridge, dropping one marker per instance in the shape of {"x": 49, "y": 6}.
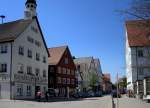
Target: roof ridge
{"x": 58, "y": 47}
{"x": 15, "y": 21}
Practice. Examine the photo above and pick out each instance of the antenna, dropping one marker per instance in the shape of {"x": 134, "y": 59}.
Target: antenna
{"x": 2, "y": 17}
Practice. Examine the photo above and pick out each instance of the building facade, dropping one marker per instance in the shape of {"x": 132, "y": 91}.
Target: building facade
{"x": 137, "y": 54}
{"x": 87, "y": 67}
{"x": 61, "y": 71}
{"x": 107, "y": 85}
{"x": 23, "y": 57}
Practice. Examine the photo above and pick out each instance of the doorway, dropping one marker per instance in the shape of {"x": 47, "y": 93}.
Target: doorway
{"x": 37, "y": 88}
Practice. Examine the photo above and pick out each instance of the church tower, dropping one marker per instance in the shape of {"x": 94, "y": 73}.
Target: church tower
{"x": 30, "y": 9}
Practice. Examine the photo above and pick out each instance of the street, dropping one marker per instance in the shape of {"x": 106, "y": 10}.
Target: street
{"x": 126, "y": 102}
{"x": 100, "y": 102}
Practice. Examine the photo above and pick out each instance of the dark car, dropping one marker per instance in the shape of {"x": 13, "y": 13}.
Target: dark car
{"x": 51, "y": 92}
{"x": 98, "y": 94}
{"x": 90, "y": 93}
{"x": 114, "y": 94}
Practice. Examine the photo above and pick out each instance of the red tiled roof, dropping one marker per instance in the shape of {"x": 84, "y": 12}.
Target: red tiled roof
{"x": 55, "y": 54}
{"x": 138, "y": 32}
{"x": 11, "y": 30}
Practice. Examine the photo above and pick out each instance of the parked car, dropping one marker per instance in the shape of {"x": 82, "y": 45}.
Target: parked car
{"x": 51, "y": 92}
{"x": 114, "y": 93}
{"x": 90, "y": 93}
{"x": 98, "y": 94}
{"x": 83, "y": 94}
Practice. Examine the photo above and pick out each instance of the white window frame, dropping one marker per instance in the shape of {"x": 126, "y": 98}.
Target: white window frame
{"x": 20, "y": 68}
{"x": 29, "y": 90}
{"x": 3, "y": 67}
{"x": 4, "y": 48}
{"x": 19, "y": 91}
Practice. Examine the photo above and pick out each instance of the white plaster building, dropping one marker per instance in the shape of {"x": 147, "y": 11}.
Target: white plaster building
{"x": 23, "y": 57}
{"x": 86, "y": 66}
{"x": 137, "y": 53}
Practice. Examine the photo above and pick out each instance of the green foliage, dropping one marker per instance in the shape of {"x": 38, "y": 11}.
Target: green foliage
{"x": 93, "y": 79}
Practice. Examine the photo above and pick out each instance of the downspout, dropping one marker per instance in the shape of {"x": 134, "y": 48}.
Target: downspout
{"x": 11, "y": 94}
{"x": 137, "y": 85}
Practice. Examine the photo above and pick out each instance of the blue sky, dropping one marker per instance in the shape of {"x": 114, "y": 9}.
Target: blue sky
{"x": 89, "y": 27}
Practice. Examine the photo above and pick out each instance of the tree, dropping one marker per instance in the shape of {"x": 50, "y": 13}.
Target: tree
{"x": 123, "y": 82}
{"x": 93, "y": 79}
{"x": 139, "y": 9}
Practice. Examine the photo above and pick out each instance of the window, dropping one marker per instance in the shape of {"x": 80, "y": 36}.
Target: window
{"x": 59, "y": 80}
{"x": 21, "y": 50}
{"x": 44, "y": 88}
{"x": 3, "y": 68}
{"x": 78, "y": 67}
{"x": 37, "y": 43}
{"x": 64, "y": 80}
{"x": 29, "y": 90}
{"x": 27, "y": 6}
{"x": 52, "y": 69}
{"x": 29, "y": 53}
{"x": 29, "y": 70}
{"x": 44, "y": 59}
{"x": 37, "y": 56}
{"x": 59, "y": 69}
{"x": 51, "y": 80}
{"x": 72, "y": 81}
{"x": 3, "y": 48}
{"x": 64, "y": 70}
{"x": 19, "y": 90}
{"x": 140, "y": 71}
{"x": 33, "y": 28}
{"x": 72, "y": 72}
{"x": 31, "y": 40}
{"x": 140, "y": 53}
{"x": 66, "y": 61}
{"x": 68, "y": 71}
{"x": 20, "y": 68}
{"x": 44, "y": 73}
{"x": 32, "y": 6}
{"x": 37, "y": 72}
{"x": 68, "y": 80}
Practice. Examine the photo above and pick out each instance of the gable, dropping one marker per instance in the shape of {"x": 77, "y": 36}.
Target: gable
{"x": 36, "y": 34}
{"x": 56, "y": 54}
{"x": 67, "y": 55}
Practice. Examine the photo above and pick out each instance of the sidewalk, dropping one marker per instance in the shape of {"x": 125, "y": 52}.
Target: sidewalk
{"x": 126, "y": 102}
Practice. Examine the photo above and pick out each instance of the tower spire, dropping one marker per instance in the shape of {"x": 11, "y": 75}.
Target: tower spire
{"x": 30, "y": 10}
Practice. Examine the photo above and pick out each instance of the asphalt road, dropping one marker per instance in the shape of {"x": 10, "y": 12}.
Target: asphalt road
{"x": 101, "y": 102}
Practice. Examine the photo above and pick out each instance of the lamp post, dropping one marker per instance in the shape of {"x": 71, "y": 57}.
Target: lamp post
{"x": 117, "y": 91}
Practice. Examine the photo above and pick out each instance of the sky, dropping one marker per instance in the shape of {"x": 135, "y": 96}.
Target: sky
{"x": 88, "y": 27}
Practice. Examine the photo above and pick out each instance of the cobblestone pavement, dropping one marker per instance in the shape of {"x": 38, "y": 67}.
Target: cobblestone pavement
{"x": 100, "y": 102}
